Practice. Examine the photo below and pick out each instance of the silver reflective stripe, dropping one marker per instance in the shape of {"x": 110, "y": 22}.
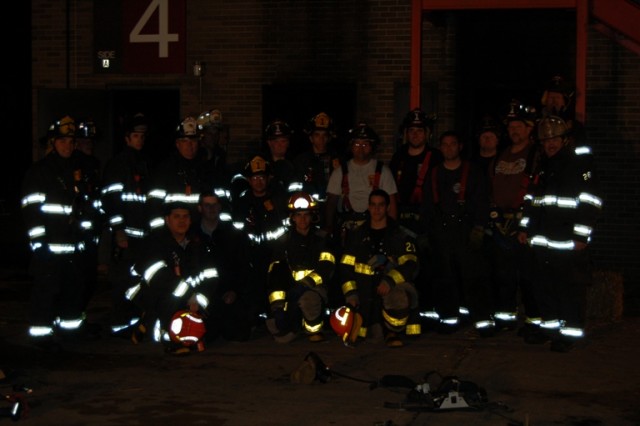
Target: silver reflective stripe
{"x": 156, "y": 223}
{"x": 73, "y": 324}
{"x": 582, "y": 150}
{"x": 181, "y": 289}
{"x": 202, "y": 300}
{"x": 506, "y": 316}
{"x": 37, "y": 231}
{"x": 582, "y": 230}
{"x": 587, "y": 198}
{"x": 157, "y": 193}
{"x": 190, "y": 199}
{"x": 484, "y": 324}
{"x": 572, "y": 331}
{"x": 133, "y": 197}
{"x": 62, "y": 248}
{"x": 151, "y": 270}
{"x": 134, "y": 232}
{"x": 132, "y": 291}
{"x": 114, "y": 187}
{"x": 524, "y": 222}
{"x": 542, "y": 241}
{"x": 551, "y": 324}
{"x": 56, "y": 209}
{"x": 116, "y": 220}
{"x": 35, "y": 198}
{"x": 40, "y": 331}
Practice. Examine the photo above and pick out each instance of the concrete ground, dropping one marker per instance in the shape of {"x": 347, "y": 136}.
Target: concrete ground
{"x": 113, "y": 382}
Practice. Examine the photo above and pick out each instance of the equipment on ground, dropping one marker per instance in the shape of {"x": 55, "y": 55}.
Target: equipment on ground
{"x": 188, "y": 329}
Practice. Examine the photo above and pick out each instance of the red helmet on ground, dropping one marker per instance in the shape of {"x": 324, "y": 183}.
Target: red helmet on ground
{"x": 346, "y": 322}
{"x": 187, "y": 328}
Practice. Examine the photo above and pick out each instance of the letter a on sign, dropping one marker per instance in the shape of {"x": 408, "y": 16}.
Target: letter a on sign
{"x": 154, "y": 36}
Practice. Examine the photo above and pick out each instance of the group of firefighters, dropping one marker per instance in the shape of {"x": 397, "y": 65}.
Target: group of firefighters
{"x": 323, "y": 240}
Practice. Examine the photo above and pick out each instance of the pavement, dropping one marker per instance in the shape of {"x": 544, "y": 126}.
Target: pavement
{"x": 111, "y": 381}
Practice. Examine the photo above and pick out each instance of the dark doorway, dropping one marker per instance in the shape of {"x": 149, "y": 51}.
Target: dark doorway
{"x": 298, "y": 103}
{"x": 505, "y": 54}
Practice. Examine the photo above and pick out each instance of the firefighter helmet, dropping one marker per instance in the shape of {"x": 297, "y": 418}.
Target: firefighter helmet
{"x": 320, "y": 122}
{"x": 520, "y": 112}
{"x": 136, "y": 124}
{"x": 346, "y": 322}
{"x": 559, "y": 85}
{"x": 187, "y": 129}
{"x": 364, "y": 132}
{"x": 551, "y": 127}
{"x": 277, "y": 129}
{"x": 86, "y": 128}
{"x": 62, "y": 128}
{"x": 417, "y": 118}
{"x": 210, "y": 120}
{"x": 187, "y": 328}
{"x": 301, "y": 201}
{"x": 257, "y": 165}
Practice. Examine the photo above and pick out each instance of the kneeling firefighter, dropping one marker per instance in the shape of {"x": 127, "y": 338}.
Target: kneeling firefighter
{"x": 299, "y": 271}
{"x": 378, "y": 269}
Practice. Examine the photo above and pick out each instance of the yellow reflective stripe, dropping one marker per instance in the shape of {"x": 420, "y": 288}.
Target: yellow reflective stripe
{"x": 312, "y": 328}
{"x": 396, "y": 322}
{"x": 271, "y": 265}
{"x": 325, "y": 256}
{"x": 349, "y": 286}
{"x": 396, "y": 276}
{"x": 317, "y": 279}
{"x": 347, "y": 259}
{"x": 413, "y": 329}
{"x": 363, "y": 268}
{"x": 298, "y": 275}
{"x": 362, "y": 332}
{"x": 277, "y": 295}
{"x": 407, "y": 258}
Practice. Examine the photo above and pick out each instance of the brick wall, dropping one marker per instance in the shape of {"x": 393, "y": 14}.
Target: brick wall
{"x": 250, "y": 43}
{"x": 613, "y": 128}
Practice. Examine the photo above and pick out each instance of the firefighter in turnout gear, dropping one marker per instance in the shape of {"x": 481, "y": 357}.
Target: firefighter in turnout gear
{"x": 377, "y": 270}
{"x": 61, "y": 215}
{"x": 561, "y": 208}
{"x": 300, "y": 270}
{"x": 179, "y": 177}
{"x": 171, "y": 277}
{"x": 124, "y": 195}
{"x": 261, "y": 213}
{"x": 314, "y": 166}
{"x": 455, "y": 210}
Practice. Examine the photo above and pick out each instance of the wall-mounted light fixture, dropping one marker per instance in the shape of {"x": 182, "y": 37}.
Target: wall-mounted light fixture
{"x": 199, "y": 70}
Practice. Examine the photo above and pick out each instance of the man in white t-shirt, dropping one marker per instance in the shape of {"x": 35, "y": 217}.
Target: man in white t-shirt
{"x": 350, "y": 185}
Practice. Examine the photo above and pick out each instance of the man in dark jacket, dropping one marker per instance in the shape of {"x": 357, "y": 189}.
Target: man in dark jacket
{"x": 172, "y": 277}
{"x": 227, "y": 250}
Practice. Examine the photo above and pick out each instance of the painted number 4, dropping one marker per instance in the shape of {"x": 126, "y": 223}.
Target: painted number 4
{"x": 163, "y": 38}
